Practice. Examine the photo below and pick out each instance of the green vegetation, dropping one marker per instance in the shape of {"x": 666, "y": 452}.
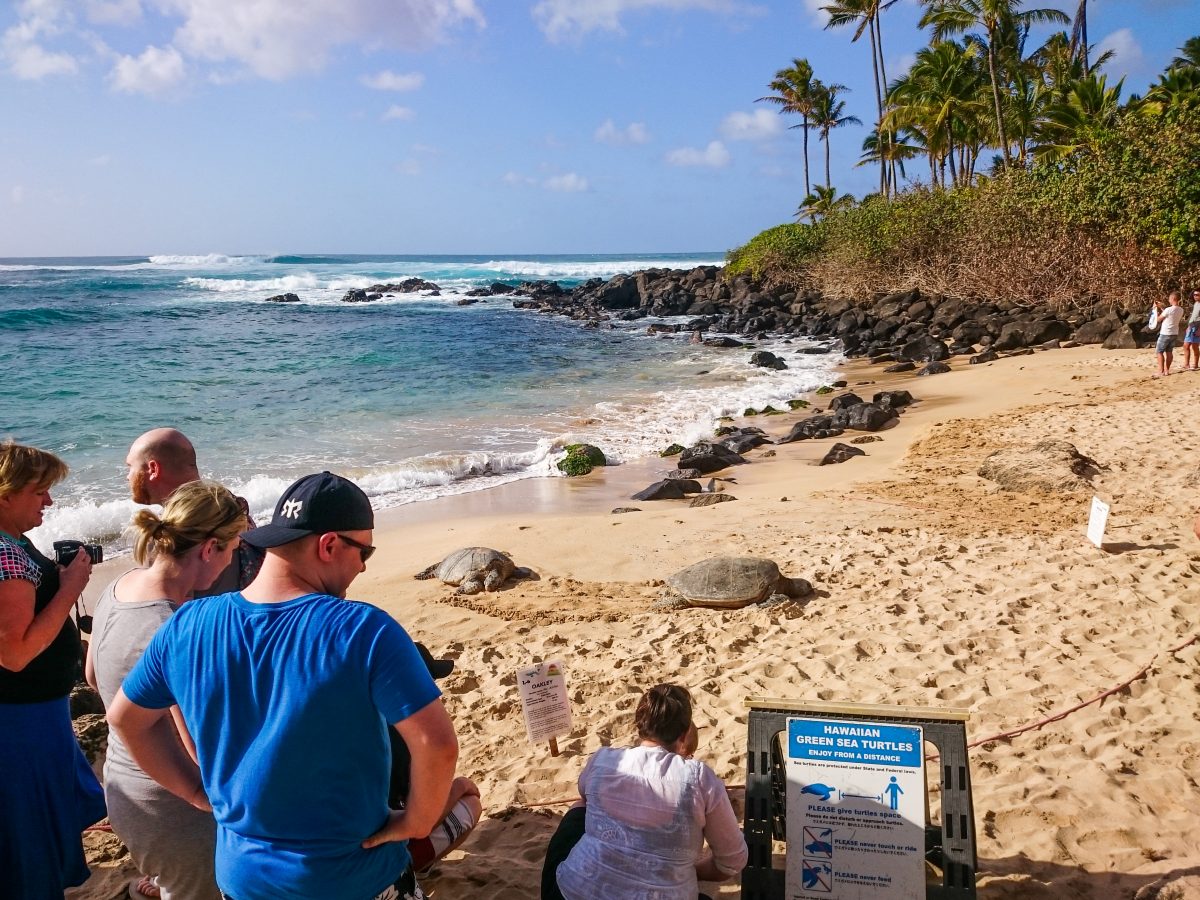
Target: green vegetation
{"x": 797, "y": 404}
{"x": 581, "y": 459}
{"x": 749, "y": 411}
{"x": 824, "y": 389}
{"x": 1090, "y": 198}
{"x": 673, "y": 450}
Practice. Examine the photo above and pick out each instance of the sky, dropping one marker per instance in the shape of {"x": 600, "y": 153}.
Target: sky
{"x": 139, "y": 127}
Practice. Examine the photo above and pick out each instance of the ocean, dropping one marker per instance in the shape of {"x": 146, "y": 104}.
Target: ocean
{"x": 412, "y": 396}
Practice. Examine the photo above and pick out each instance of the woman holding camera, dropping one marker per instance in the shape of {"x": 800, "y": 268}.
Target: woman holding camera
{"x": 182, "y": 551}
{"x": 48, "y": 793}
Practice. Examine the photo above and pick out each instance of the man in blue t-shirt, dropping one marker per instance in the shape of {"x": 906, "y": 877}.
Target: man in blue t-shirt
{"x": 287, "y": 690}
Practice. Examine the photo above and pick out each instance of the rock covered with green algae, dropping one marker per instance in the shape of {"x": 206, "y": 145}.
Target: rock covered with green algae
{"x": 581, "y": 459}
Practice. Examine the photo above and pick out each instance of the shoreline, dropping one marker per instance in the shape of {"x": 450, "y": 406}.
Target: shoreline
{"x": 932, "y": 588}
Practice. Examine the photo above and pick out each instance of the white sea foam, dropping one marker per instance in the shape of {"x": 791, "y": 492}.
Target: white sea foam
{"x": 208, "y": 260}
{"x": 554, "y": 269}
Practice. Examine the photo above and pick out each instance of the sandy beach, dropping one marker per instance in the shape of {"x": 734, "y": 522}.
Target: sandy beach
{"x": 933, "y": 587}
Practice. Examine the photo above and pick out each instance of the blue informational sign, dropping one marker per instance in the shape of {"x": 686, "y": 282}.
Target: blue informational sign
{"x": 868, "y": 743}
{"x": 855, "y": 810}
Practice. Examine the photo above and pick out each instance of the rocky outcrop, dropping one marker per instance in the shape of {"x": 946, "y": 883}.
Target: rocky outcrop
{"x": 900, "y": 328}
{"x": 708, "y": 457}
{"x": 668, "y": 489}
{"x": 839, "y": 453}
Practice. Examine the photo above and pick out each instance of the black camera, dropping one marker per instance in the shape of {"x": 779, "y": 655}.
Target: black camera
{"x": 64, "y": 552}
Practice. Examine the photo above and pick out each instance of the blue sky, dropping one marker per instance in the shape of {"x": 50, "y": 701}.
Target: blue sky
{"x": 437, "y": 126}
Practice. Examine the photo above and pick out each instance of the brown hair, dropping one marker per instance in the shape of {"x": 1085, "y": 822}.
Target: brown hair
{"x": 664, "y": 713}
{"x": 195, "y": 512}
{"x": 21, "y": 466}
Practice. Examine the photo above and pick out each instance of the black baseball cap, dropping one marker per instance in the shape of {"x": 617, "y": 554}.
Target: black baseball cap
{"x": 438, "y": 668}
{"x": 315, "y": 504}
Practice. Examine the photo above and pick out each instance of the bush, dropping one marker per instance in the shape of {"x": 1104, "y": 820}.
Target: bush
{"x": 1116, "y": 223}
{"x": 777, "y": 252}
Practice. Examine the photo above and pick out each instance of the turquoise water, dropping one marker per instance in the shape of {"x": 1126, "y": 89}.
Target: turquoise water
{"x": 414, "y": 396}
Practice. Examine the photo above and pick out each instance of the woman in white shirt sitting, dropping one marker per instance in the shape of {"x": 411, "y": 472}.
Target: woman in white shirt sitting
{"x": 647, "y": 811}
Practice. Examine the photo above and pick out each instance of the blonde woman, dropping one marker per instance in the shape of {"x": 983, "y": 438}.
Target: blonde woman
{"x": 181, "y": 551}
{"x": 48, "y": 793}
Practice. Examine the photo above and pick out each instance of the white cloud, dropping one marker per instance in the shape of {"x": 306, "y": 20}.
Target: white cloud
{"x": 16, "y": 194}
{"x": 633, "y": 133}
{"x": 714, "y": 156}
{"x": 569, "y": 183}
{"x": 279, "y": 38}
{"x": 564, "y": 19}
{"x": 155, "y": 72}
{"x": 752, "y": 126}
{"x": 816, "y": 15}
{"x": 113, "y": 12}
{"x": 22, "y": 44}
{"x": 32, "y": 62}
{"x": 392, "y": 81}
{"x": 1128, "y": 57}
{"x": 398, "y": 113}
{"x": 409, "y": 167}
{"x": 103, "y": 160}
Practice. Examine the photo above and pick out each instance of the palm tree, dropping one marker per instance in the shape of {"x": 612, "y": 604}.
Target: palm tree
{"x": 864, "y": 15}
{"x": 889, "y": 149}
{"x": 958, "y": 16}
{"x": 1079, "y": 41}
{"x": 828, "y": 114}
{"x": 1070, "y": 125}
{"x": 1190, "y": 55}
{"x": 942, "y": 99}
{"x": 795, "y": 92}
{"x": 1177, "y": 88}
{"x": 822, "y": 201}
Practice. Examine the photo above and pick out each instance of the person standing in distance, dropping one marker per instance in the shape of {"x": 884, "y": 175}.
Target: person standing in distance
{"x": 288, "y": 684}
{"x": 1168, "y": 334}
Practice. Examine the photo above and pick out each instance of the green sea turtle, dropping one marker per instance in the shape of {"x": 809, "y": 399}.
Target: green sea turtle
{"x": 731, "y": 582}
{"x": 475, "y": 569}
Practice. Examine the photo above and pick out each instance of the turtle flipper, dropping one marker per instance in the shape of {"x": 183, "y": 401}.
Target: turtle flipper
{"x": 427, "y": 573}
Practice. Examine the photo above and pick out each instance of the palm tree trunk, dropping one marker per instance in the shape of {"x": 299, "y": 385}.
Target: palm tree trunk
{"x": 828, "y": 180}
{"x": 950, "y": 155}
{"x": 878, "y": 100}
{"x": 991, "y": 55}
{"x": 804, "y": 127}
{"x": 1083, "y": 45}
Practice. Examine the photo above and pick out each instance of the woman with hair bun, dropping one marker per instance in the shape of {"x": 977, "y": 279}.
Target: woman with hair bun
{"x": 48, "y": 793}
{"x": 180, "y": 552}
{"x": 647, "y": 811}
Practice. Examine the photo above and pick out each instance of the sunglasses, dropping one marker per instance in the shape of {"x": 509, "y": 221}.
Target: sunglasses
{"x": 366, "y": 551}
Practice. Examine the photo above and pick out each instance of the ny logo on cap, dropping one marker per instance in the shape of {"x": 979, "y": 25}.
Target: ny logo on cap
{"x": 291, "y": 508}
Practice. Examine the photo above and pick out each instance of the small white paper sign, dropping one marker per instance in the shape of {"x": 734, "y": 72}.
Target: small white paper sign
{"x": 1097, "y": 522}
{"x": 544, "y": 702}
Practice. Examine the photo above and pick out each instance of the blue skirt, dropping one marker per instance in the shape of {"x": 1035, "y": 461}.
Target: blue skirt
{"x": 48, "y": 795}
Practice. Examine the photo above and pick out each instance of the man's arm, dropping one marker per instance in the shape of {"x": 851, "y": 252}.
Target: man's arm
{"x": 155, "y": 746}
{"x": 431, "y": 740}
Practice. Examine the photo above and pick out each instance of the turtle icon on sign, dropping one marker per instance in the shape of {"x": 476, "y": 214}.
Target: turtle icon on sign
{"x": 818, "y": 841}
{"x": 817, "y": 876}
